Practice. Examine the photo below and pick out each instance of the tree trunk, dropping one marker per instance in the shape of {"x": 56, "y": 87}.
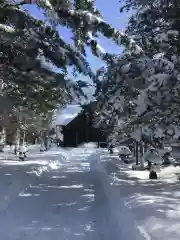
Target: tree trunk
{"x": 24, "y": 138}
{"x": 137, "y": 152}
{"x": 142, "y": 154}
{"x": 141, "y": 149}
{"x": 17, "y": 141}
{"x": 3, "y": 139}
{"x": 18, "y": 134}
{"x": 41, "y": 140}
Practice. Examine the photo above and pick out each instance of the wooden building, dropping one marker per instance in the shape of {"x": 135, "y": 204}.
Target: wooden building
{"x": 81, "y": 130}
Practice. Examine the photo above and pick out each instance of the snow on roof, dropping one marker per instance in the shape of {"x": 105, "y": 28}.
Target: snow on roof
{"x": 65, "y": 119}
{"x": 66, "y": 115}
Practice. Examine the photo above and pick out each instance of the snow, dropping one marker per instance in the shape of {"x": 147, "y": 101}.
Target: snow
{"x": 7, "y": 28}
{"x": 85, "y": 193}
{"x": 168, "y": 174}
{"x": 148, "y": 209}
{"x": 46, "y": 3}
{"x": 141, "y": 103}
{"x": 126, "y": 68}
{"x": 98, "y": 49}
{"x": 88, "y": 145}
{"x": 65, "y": 116}
{"x": 64, "y": 202}
{"x": 121, "y": 150}
{"x": 122, "y": 220}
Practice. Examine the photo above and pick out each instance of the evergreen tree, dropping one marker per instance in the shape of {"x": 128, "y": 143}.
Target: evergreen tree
{"x": 142, "y": 90}
{"x": 27, "y": 46}
{"x": 138, "y": 74}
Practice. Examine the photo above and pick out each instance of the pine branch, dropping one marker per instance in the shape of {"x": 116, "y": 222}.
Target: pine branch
{"x": 90, "y": 20}
{"x": 40, "y": 29}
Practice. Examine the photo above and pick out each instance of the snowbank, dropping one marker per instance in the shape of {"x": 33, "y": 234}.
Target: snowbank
{"x": 167, "y": 174}
{"x": 143, "y": 208}
{"x": 121, "y": 218}
{"x": 41, "y": 161}
{"x": 88, "y": 145}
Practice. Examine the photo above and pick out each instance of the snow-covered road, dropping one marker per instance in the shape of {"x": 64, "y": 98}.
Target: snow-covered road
{"x": 67, "y": 203}
{"x": 85, "y": 193}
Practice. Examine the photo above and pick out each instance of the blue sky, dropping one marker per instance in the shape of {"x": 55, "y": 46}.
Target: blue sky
{"x": 111, "y": 14}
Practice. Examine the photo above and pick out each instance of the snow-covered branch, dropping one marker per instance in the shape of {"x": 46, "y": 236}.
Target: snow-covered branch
{"x": 94, "y": 22}
{"x": 38, "y": 29}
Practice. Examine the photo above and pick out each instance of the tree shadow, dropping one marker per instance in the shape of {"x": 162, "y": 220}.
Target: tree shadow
{"x": 16, "y": 175}
{"x": 155, "y": 204}
{"x": 58, "y": 205}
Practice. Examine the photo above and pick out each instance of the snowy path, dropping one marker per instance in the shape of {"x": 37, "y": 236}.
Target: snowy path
{"x": 66, "y": 204}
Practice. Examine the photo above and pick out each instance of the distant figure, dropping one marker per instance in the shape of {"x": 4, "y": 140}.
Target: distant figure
{"x": 111, "y": 149}
{"x": 153, "y": 175}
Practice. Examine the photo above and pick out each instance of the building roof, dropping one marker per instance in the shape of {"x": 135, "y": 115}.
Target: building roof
{"x": 65, "y": 116}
